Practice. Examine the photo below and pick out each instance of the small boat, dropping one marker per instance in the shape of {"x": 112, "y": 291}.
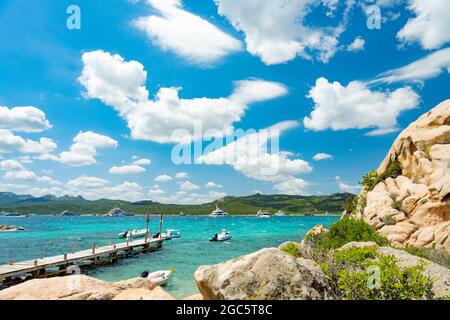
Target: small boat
{"x": 160, "y": 278}
{"x": 12, "y": 214}
{"x": 280, "y": 214}
{"x": 223, "y": 236}
{"x": 181, "y": 214}
{"x": 171, "y": 234}
{"x": 133, "y": 234}
{"x": 263, "y": 214}
{"x": 219, "y": 213}
{"x": 67, "y": 213}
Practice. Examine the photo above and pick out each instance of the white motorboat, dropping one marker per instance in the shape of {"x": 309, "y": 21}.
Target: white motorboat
{"x": 171, "y": 234}
{"x": 181, "y": 214}
{"x": 219, "y": 213}
{"x": 133, "y": 234}
{"x": 263, "y": 214}
{"x": 223, "y": 236}
{"x": 280, "y": 214}
{"x": 160, "y": 278}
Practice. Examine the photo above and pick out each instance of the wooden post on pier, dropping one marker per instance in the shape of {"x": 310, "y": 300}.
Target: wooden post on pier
{"x": 93, "y": 248}
{"x": 110, "y": 242}
{"x": 73, "y": 247}
{"x": 147, "y": 220}
{"x": 160, "y": 225}
{"x": 65, "y": 256}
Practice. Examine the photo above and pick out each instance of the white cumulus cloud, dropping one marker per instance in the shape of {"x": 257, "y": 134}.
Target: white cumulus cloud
{"x": 425, "y": 68}
{"x": 251, "y": 156}
{"x": 186, "y": 34}
{"x": 130, "y": 169}
{"x": 163, "y": 178}
{"x": 87, "y": 182}
{"x": 188, "y": 186}
{"x": 356, "y": 106}
{"x": 9, "y": 142}
{"x": 322, "y": 156}
{"x": 356, "y": 45}
{"x": 167, "y": 118}
{"x": 276, "y": 30}
{"x": 84, "y": 149}
{"x": 25, "y": 119}
{"x": 349, "y": 188}
{"x": 181, "y": 175}
{"x": 430, "y": 27}
{"x": 213, "y": 185}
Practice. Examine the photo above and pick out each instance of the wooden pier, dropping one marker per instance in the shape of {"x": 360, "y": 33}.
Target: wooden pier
{"x": 70, "y": 263}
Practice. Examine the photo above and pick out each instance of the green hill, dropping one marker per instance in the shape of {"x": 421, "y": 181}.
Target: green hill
{"x": 247, "y": 205}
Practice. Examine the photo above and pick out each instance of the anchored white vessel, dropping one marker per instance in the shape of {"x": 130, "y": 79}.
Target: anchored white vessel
{"x": 219, "y": 213}
{"x": 169, "y": 235}
{"x": 263, "y": 214}
{"x": 280, "y": 214}
{"x": 160, "y": 278}
{"x": 223, "y": 236}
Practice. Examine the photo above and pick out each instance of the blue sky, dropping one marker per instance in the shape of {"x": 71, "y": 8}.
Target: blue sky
{"x": 91, "y": 93}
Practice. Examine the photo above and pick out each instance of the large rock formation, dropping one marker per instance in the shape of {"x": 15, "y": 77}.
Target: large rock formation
{"x": 268, "y": 274}
{"x": 413, "y": 209}
{"x": 81, "y": 287}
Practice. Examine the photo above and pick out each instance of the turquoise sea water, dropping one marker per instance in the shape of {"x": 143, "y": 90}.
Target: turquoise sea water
{"x": 52, "y": 235}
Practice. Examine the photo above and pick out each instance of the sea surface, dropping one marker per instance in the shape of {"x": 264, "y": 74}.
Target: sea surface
{"x": 52, "y": 235}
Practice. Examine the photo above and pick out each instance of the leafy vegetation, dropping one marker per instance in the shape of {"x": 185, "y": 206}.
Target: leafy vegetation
{"x": 389, "y": 221}
{"x": 397, "y": 205}
{"x": 248, "y": 205}
{"x": 290, "y": 248}
{"x": 362, "y": 274}
{"x": 345, "y": 231}
{"x": 437, "y": 256}
{"x": 370, "y": 180}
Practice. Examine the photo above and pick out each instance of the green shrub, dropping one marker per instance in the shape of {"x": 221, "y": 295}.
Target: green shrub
{"x": 370, "y": 180}
{"x": 397, "y": 205}
{"x": 382, "y": 279}
{"x": 437, "y": 256}
{"x": 428, "y": 152}
{"x": 290, "y": 248}
{"x": 393, "y": 170}
{"x": 350, "y": 204}
{"x": 354, "y": 256}
{"x": 389, "y": 221}
{"x": 344, "y": 231}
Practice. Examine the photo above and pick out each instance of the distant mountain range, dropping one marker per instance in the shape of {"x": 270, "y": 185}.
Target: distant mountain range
{"x": 245, "y": 205}
{"x": 12, "y": 198}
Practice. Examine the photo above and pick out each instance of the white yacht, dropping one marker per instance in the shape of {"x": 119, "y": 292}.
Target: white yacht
{"x": 263, "y": 214}
{"x": 219, "y": 213}
{"x": 280, "y": 214}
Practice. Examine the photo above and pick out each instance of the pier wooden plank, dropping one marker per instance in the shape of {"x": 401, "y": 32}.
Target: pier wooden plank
{"x": 30, "y": 266}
